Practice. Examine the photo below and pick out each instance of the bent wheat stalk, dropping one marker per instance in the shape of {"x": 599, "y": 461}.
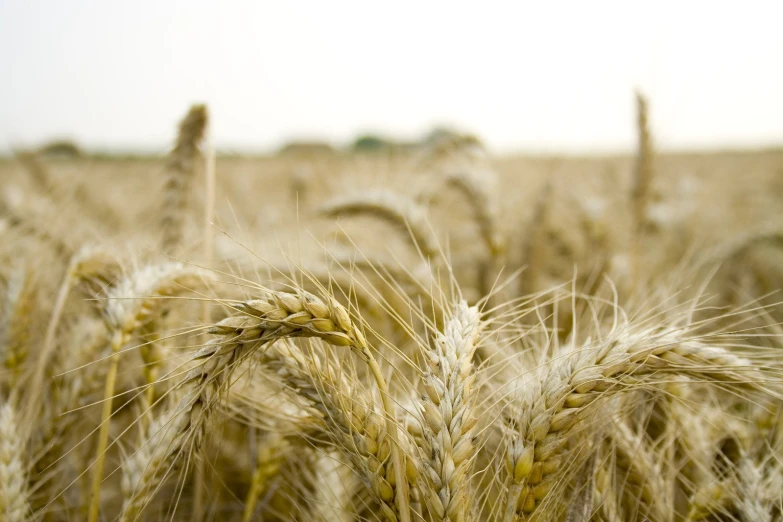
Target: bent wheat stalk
{"x": 396, "y": 209}
{"x": 485, "y": 210}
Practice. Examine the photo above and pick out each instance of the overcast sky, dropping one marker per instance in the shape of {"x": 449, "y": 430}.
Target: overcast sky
{"x": 541, "y": 75}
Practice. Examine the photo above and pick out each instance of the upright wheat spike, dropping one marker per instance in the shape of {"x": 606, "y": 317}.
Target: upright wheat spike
{"x": 641, "y": 190}
{"x": 398, "y": 210}
{"x": 132, "y": 304}
{"x": 448, "y": 417}
{"x": 280, "y": 316}
{"x": 14, "y": 496}
{"x": 180, "y": 171}
{"x": 15, "y": 327}
{"x": 575, "y": 386}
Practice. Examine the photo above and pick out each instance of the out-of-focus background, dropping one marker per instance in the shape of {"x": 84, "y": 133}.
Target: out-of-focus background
{"x": 523, "y": 76}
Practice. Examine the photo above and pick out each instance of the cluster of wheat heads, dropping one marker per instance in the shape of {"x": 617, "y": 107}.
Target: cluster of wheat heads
{"x": 430, "y": 356}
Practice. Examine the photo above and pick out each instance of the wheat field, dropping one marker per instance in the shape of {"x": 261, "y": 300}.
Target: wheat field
{"x": 430, "y": 334}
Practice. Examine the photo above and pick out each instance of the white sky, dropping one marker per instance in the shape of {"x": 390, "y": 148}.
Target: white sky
{"x": 540, "y": 75}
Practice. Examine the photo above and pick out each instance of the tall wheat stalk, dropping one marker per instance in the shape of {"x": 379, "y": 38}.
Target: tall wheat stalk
{"x": 641, "y": 189}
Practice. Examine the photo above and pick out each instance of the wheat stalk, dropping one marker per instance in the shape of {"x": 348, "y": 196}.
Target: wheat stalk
{"x": 641, "y": 191}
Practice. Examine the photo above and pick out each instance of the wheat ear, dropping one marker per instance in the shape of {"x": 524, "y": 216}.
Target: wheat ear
{"x": 134, "y": 302}
{"x": 485, "y": 209}
{"x": 14, "y": 495}
{"x": 262, "y": 321}
{"x": 398, "y": 210}
{"x": 575, "y": 386}
{"x": 642, "y": 183}
{"x": 180, "y": 171}
{"x": 636, "y": 465}
{"x": 448, "y": 416}
{"x": 352, "y": 422}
